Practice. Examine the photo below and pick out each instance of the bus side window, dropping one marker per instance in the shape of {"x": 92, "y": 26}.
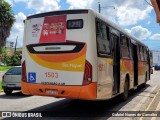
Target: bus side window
{"x": 139, "y": 52}
{"x": 125, "y": 47}
{"x": 143, "y": 52}
{"x": 98, "y": 29}
{"x": 129, "y": 47}
{"x": 103, "y": 42}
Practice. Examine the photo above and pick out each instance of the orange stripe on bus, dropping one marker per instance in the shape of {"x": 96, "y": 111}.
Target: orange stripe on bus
{"x": 65, "y": 66}
{"x": 87, "y": 92}
{"x": 127, "y": 65}
{"x": 142, "y": 67}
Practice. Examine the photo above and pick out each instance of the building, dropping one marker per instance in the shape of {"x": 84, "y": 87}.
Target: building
{"x": 10, "y": 44}
{"x": 156, "y": 57}
{"x": 10, "y": 48}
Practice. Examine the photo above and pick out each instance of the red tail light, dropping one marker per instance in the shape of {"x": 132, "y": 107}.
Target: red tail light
{"x": 24, "y": 77}
{"x": 87, "y": 78}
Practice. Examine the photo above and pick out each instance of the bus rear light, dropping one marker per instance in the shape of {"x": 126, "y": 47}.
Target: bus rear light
{"x": 24, "y": 77}
{"x": 87, "y": 78}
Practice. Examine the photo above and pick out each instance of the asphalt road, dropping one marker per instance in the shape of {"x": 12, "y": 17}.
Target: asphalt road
{"x": 67, "y": 108}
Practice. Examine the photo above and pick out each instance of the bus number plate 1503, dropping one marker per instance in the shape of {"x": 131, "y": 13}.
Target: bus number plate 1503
{"x": 52, "y": 92}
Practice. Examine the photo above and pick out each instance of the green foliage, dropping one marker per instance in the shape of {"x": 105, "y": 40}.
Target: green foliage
{"x": 3, "y": 52}
{"x": 7, "y": 19}
{"x": 13, "y": 60}
{"x": 5, "y": 68}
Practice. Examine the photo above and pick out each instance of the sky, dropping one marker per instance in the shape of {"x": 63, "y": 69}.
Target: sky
{"x": 135, "y": 16}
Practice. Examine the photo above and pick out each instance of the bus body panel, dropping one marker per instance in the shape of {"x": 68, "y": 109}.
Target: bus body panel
{"x": 80, "y": 35}
{"x": 63, "y": 68}
{"x": 33, "y": 30}
{"x": 61, "y": 74}
{"x": 126, "y": 67}
{"x": 142, "y": 69}
{"x": 65, "y": 73}
{"x": 87, "y": 92}
{"x": 91, "y": 52}
{"x": 105, "y": 78}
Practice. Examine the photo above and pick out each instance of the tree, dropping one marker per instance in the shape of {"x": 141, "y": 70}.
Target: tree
{"x": 7, "y": 20}
{"x": 13, "y": 60}
{"x": 4, "y": 54}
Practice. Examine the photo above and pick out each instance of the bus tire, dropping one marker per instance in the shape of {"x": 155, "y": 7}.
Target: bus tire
{"x": 126, "y": 90}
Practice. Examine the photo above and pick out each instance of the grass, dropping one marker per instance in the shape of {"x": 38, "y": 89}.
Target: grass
{"x": 5, "y": 68}
{"x": 1, "y": 86}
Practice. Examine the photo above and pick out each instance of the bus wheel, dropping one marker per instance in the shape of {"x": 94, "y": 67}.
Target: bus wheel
{"x": 126, "y": 90}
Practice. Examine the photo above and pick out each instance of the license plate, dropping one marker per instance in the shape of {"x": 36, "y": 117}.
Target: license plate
{"x": 52, "y": 92}
{"x": 11, "y": 85}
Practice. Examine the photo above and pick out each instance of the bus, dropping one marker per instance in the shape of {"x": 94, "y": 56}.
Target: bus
{"x": 151, "y": 61}
{"x": 79, "y": 54}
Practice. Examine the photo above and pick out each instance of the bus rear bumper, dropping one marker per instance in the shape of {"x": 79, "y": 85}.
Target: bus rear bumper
{"x": 87, "y": 92}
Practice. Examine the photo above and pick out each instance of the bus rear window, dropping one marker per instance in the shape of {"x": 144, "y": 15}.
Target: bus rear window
{"x": 75, "y": 24}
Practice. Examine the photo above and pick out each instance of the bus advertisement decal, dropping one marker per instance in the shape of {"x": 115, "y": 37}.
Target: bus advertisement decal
{"x": 54, "y": 29}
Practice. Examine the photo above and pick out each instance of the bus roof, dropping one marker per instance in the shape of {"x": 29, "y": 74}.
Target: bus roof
{"x": 59, "y": 12}
{"x": 81, "y": 11}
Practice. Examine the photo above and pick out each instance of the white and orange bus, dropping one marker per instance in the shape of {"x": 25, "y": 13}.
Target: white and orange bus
{"x": 80, "y": 54}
